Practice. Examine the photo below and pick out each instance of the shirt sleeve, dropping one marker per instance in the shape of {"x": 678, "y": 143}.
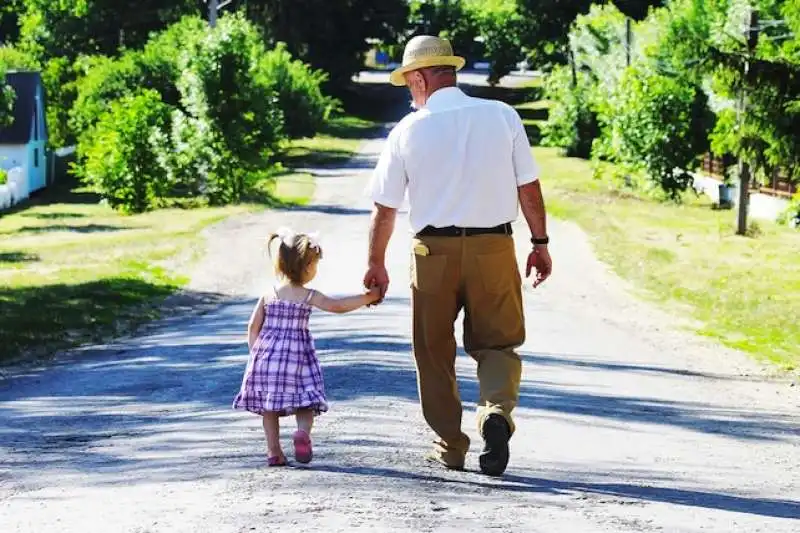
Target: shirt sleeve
{"x": 525, "y": 167}
{"x": 389, "y": 179}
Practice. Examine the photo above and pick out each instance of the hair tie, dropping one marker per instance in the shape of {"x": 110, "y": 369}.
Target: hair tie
{"x": 313, "y": 240}
{"x": 286, "y": 236}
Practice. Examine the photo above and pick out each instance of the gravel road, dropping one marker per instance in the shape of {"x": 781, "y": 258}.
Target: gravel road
{"x": 627, "y": 422}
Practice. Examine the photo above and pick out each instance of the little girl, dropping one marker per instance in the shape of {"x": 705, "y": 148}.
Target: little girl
{"x": 283, "y": 375}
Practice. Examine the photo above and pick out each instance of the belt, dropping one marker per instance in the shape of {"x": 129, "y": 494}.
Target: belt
{"x": 455, "y": 231}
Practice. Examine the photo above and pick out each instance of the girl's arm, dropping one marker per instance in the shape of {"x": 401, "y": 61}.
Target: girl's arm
{"x": 256, "y": 321}
{"x": 344, "y": 305}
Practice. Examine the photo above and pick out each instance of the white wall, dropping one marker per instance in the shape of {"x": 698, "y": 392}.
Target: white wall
{"x": 13, "y": 159}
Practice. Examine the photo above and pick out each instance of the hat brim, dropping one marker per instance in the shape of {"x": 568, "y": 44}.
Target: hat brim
{"x": 397, "y": 77}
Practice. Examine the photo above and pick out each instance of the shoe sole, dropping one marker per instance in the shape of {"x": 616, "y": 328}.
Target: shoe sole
{"x": 496, "y": 434}
{"x": 435, "y": 460}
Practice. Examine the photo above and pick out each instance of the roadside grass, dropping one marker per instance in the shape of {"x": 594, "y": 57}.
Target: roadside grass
{"x": 335, "y": 144}
{"x": 744, "y": 291}
{"x": 73, "y": 270}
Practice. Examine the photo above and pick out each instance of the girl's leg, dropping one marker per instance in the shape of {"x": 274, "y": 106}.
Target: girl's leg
{"x": 305, "y": 419}
{"x": 302, "y": 437}
{"x": 272, "y": 432}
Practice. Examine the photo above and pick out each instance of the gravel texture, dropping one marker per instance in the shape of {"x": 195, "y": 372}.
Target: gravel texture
{"x": 626, "y": 423}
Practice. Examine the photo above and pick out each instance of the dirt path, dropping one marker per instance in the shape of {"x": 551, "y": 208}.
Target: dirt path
{"x": 626, "y": 423}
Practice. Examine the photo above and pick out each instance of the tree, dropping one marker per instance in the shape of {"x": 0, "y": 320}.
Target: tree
{"x": 331, "y": 35}
{"x": 119, "y": 160}
{"x": 68, "y": 29}
{"x": 656, "y": 123}
{"x": 232, "y": 122}
{"x": 500, "y": 25}
{"x": 7, "y": 97}
{"x": 9, "y": 20}
{"x": 547, "y": 23}
{"x": 454, "y": 20}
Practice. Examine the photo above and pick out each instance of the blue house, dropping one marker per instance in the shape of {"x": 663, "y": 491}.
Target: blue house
{"x": 23, "y": 143}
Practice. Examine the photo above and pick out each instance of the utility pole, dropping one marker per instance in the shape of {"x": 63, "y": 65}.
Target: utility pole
{"x": 213, "y": 7}
{"x": 628, "y": 41}
{"x": 751, "y": 34}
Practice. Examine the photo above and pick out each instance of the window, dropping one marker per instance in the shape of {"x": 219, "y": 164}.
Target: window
{"x": 36, "y": 157}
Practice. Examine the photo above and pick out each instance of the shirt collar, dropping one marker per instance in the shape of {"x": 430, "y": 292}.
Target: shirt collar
{"x": 445, "y": 98}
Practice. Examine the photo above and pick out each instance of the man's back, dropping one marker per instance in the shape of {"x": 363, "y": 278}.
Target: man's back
{"x": 462, "y": 160}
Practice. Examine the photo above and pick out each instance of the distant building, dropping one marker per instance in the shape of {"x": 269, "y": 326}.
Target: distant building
{"x": 23, "y": 143}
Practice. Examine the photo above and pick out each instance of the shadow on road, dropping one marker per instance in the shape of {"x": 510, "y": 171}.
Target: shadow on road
{"x": 624, "y": 491}
{"x": 149, "y": 408}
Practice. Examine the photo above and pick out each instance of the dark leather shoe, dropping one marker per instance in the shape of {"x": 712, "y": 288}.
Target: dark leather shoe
{"x": 496, "y": 433}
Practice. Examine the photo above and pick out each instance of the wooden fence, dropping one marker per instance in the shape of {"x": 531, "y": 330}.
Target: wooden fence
{"x": 779, "y": 184}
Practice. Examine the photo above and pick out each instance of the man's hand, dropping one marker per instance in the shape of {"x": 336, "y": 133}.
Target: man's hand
{"x": 377, "y": 276}
{"x": 539, "y": 260}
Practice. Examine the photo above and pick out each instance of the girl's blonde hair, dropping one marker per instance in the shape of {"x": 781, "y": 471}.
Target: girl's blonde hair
{"x": 296, "y": 253}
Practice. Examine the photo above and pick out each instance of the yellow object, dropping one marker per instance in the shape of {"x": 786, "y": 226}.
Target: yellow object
{"x": 421, "y": 249}
{"x": 425, "y": 51}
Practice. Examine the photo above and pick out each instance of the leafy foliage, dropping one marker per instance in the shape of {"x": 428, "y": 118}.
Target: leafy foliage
{"x": 455, "y": 20}
{"x": 156, "y": 66}
{"x": 658, "y": 124}
{"x": 225, "y": 96}
{"x": 500, "y": 26}
{"x": 299, "y": 92}
{"x": 233, "y": 120}
{"x": 68, "y": 29}
{"x": 6, "y": 99}
{"x": 331, "y": 35}
{"x": 119, "y": 157}
{"x": 572, "y": 123}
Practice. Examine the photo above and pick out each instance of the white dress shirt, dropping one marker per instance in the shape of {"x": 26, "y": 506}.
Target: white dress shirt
{"x": 460, "y": 158}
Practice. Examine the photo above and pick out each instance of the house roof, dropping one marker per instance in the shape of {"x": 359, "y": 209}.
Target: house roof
{"x": 24, "y": 85}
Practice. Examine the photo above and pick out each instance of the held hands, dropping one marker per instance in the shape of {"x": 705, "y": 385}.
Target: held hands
{"x": 373, "y": 295}
{"x": 376, "y": 280}
{"x": 539, "y": 260}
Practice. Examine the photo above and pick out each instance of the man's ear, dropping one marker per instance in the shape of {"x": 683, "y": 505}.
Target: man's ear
{"x": 417, "y": 79}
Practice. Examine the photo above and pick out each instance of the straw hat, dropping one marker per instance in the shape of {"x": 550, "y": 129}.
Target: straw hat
{"x": 426, "y": 51}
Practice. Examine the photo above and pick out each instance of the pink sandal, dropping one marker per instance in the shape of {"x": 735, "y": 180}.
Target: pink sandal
{"x": 277, "y": 460}
{"x": 302, "y": 447}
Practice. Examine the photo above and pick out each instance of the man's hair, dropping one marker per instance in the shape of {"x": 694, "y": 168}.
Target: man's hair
{"x": 442, "y": 70}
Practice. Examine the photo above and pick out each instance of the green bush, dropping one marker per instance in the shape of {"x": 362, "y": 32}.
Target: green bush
{"x": 156, "y": 66}
{"x": 572, "y": 123}
{"x": 226, "y": 97}
{"x": 791, "y": 216}
{"x": 299, "y": 92}
{"x": 14, "y": 58}
{"x": 119, "y": 157}
{"x": 3, "y": 176}
{"x": 232, "y": 123}
{"x": 6, "y": 100}
{"x": 658, "y": 124}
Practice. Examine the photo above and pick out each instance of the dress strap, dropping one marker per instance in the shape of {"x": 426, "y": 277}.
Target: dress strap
{"x": 309, "y": 296}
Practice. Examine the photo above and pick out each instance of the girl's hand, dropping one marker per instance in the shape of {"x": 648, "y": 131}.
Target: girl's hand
{"x": 374, "y": 294}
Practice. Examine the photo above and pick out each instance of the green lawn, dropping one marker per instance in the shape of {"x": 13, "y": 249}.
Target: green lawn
{"x": 745, "y": 291}
{"x": 73, "y": 270}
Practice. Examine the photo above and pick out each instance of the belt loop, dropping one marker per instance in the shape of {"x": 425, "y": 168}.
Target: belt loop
{"x": 463, "y": 232}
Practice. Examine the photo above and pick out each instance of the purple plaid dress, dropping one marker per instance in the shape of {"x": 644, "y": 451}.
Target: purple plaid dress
{"x": 283, "y": 373}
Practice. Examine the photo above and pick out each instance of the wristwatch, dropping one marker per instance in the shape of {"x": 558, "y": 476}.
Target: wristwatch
{"x": 543, "y": 240}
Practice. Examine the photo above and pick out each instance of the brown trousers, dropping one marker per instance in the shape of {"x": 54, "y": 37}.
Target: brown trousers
{"x": 478, "y": 274}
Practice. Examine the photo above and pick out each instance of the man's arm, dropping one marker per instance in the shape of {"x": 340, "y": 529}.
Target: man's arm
{"x": 380, "y": 231}
{"x": 531, "y": 202}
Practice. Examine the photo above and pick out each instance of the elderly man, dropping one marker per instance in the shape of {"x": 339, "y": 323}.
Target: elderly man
{"x": 467, "y": 166}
